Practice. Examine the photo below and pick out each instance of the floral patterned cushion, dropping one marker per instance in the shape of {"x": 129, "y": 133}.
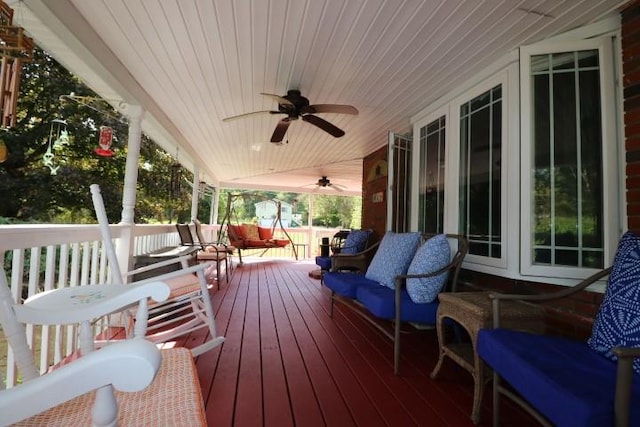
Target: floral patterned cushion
{"x": 617, "y": 323}
{"x": 251, "y": 231}
{"x": 356, "y": 241}
{"x": 393, "y": 257}
{"x": 433, "y": 255}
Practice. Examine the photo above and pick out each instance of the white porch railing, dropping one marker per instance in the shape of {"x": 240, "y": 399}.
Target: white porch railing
{"x": 49, "y": 256}
{"x": 39, "y": 257}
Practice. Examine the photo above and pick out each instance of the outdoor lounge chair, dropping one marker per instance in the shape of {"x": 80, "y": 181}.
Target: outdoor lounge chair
{"x": 150, "y": 384}
{"x": 229, "y": 249}
{"x": 216, "y": 254}
{"x": 188, "y": 308}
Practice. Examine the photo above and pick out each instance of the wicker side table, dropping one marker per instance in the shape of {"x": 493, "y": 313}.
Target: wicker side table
{"x": 472, "y": 310}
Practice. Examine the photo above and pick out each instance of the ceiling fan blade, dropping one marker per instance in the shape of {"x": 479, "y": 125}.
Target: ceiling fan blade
{"x": 324, "y": 125}
{"x": 331, "y": 108}
{"x": 281, "y": 130}
{"x": 279, "y": 99}
{"x": 335, "y": 187}
{"x": 239, "y": 116}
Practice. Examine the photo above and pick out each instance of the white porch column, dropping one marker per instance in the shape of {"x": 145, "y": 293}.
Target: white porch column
{"x": 312, "y": 244}
{"x": 194, "y": 192}
{"x": 134, "y": 114}
{"x": 215, "y": 205}
{"x": 125, "y": 244}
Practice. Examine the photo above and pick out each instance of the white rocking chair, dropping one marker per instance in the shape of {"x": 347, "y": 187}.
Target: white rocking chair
{"x": 188, "y": 308}
{"x": 152, "y": 387}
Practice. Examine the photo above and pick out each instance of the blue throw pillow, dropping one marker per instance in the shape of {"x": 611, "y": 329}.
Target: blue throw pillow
{"x": 393, "y": 257}
{"x": 433, "y": 255}
{"x": 618, "y": 320}
{"x": 355, "y": 242}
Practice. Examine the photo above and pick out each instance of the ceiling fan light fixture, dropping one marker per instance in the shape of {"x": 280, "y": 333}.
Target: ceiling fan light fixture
{"x": 296, "y": 106}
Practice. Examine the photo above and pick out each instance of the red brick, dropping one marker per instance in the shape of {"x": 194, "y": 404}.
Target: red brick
{"x": 633, "y": 223}
{"x": 633, "y": 209}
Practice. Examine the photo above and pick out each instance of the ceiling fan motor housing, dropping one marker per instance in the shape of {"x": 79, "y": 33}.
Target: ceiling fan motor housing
{"x": 298, "y": 104}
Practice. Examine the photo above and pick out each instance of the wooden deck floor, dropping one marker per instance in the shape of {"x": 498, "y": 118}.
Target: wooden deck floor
{"x": 285, "y": 362}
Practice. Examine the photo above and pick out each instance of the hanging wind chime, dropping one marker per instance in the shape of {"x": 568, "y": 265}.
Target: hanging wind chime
{"x": 15, "y": 48}
{"x": 176, "y": 178}
{"x": 58, "y": 139}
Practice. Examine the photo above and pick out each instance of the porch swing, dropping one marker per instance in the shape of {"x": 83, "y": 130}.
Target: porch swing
{"x": 251, "y": 236}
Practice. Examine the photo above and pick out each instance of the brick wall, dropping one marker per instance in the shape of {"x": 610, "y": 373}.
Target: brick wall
{"x": 374, "y": 183}
{"x": 631, "y": 86}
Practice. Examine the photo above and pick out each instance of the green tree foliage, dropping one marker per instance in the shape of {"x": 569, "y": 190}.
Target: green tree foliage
{"x": 336, "y": 211}
{"x": 30, "y": 193}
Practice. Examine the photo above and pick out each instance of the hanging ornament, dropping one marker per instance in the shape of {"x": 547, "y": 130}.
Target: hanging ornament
{"x": 58, "y": 139}
{"x": 176, "y": 177}
{"x": 106, "y": 137}
{"x": 4, "y": 153}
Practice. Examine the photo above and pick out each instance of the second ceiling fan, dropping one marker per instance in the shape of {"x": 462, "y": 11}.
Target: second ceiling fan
{"x": 296, "y": 106}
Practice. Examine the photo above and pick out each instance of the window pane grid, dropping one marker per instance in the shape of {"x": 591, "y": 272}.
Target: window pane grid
{"x": 567, "y": 184}
{"x": 480, "y": 192}
{"x": 432, "y": 169}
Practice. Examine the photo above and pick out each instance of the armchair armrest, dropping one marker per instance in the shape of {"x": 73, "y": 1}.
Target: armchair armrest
{"x": 84, "y": 303}
{"x": 127, "y": 365}
{"x": 624, "y": 381}
{"x": 496, "y": 297}
{"x": 358, "y": 261}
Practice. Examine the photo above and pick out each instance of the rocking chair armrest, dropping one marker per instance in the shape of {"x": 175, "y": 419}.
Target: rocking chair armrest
{"x": 84, "y": 303}
{"x": 129, "y": 366}
{"x": 195, "y": 269}
{"x": 184, "y": 259}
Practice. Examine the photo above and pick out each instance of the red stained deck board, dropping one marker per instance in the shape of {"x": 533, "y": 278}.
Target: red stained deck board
{"x": 303, "y": 398}
{"x": 286, "y": 362}
{"x": 331, "y": 401}
{"x": 361, "y": 408}
{"x": 399, "y": 402}
{"x": 248, "y": 408}
{"x": 277, "y": 407}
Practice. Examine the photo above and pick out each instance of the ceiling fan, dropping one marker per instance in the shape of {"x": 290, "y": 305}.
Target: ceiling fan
{"x": 325, "y": 182}
{"x": 296, "y": 106}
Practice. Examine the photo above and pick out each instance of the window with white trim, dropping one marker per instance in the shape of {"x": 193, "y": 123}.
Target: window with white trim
{"x": 480, "y": 181}
{"x": 432, "y": 176}
{"x": 568, "y": 111}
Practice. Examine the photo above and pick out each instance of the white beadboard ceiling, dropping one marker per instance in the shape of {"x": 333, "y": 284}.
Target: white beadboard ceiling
{"x": 191, "y": 63}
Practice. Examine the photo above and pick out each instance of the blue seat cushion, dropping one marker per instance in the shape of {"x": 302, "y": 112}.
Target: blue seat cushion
{"x": 346, "y": 284}
{"x": 617, "y": 323}
{"x": 324, "y": 262}
{"x": 565, "y": 380}
{"x": 380, "y": 301}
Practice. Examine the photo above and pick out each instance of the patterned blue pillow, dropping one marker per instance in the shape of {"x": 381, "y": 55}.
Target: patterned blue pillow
{"x": 393, "y": 257}
{"x": 355, "y": 242}
{"x": 433, "y": 255}
{"x": 618, "y": 320}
